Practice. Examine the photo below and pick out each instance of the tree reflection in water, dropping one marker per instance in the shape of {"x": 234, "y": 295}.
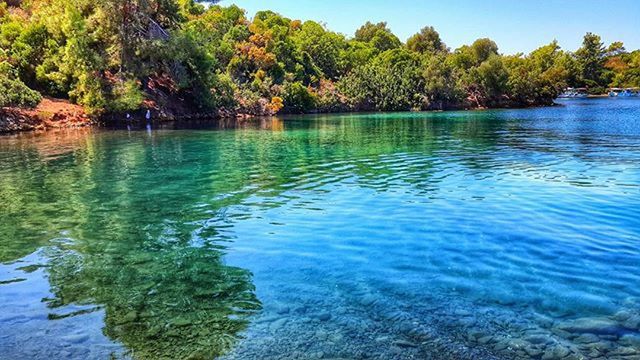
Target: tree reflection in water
{"x": 173, "y": 302}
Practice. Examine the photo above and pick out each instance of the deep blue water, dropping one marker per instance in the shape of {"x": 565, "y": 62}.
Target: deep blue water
{"x": 507, "y": 234}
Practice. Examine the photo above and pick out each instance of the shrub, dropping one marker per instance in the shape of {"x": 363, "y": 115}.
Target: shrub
{"x": 127, "y": 96}
{"x": 297, "y": 98}
{"x": 14, "y": 92}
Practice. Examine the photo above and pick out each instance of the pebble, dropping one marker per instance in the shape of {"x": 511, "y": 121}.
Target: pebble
{"x": 404, "y": 344}
{"x": 127, "y": 318}
{"x": 516, "y": 344}
{"x": 624, "y": 351}
{"x": 324, "y": 317}
{"x": 533, "y": 351}
{"x": 321, "y": 335}
{"x": 368, "y": 300}
{"x": 382, "y": 338}
{"x": 462, "y": 313}
{"x": 76, "y": 339}
{"x": 537, "y": 339}
{"x": 180, "y": 321}
{"x": 283, "y": 310}
{"x": 277, "y": 325}
{"x": 337, "y": 337}
{"x": 555, "y": 352}
{"x": 622, "y": 315}
{"x": 501, "y": 345}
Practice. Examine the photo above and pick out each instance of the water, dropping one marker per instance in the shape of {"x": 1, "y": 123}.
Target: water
{"x": 464, "y": 235}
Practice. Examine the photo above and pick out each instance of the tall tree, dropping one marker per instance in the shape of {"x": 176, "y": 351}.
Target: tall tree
{"x": 378, "y": 35}
{"x": 427, "y": 40}
{"x": 591, "y": 57}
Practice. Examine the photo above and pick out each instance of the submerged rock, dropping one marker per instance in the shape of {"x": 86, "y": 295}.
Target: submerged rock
{"x": 555, "y": 352}
{"x": 283, "y": 310}
{"x": 181, "y": 321}
{"x": 632, "y": 322}
{"x": 587, "y": 339}
{"x": 631, "y": 340}
{"x": 598, "y": 326}
{"x": 404, "y": 344}
{"x": 321, "y": 335}
{"x": 76, "y": 338}
{"x": 277, "y": 325}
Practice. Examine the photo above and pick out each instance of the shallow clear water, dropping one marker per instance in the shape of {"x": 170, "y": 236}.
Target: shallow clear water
{"x": 464, "y": 235}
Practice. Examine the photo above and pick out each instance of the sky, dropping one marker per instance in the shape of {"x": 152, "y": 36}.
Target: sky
{"x": 516, "y": 25}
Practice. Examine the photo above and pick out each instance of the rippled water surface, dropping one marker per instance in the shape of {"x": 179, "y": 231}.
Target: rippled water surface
{"x": 511, "y": 234}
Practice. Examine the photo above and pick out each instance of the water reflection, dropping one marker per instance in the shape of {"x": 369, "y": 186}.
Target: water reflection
{"x": 161, "y": 303}
{"x": 108, "y": 242}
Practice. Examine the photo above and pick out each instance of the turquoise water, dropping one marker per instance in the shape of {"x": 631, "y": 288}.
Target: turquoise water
{"x": 511, "y": 234}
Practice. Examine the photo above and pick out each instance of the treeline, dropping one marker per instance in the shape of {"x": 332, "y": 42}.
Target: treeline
{"x": 178, "y": 55}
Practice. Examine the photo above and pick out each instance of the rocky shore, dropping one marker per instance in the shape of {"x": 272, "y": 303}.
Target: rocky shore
{"x": 59, "y": 114}
{"x": 49, "y": 114}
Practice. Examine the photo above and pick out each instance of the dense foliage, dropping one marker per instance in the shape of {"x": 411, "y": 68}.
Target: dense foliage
{"x": 13, "y": 92}
{"x": 178, "y": 55}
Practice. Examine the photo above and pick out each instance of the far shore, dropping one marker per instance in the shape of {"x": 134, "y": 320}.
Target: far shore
{"x": 60, "y": 114}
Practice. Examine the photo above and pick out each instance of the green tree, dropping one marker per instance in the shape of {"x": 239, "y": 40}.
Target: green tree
{"x": 378, "y": 35}
{"x": 591, "y": 58}
{"x": 442, "y": 85}
{"x": 323, "y": 47}
{"x": 297, "y": 98}
{"x": 427, "y": 40}
{"x": 13, "y": 92}
{"x": 391, "y": 82}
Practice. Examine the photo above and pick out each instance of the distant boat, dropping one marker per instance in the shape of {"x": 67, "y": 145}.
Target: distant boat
{"x": 624, "y": 93}
{"x": 571, "y": 93}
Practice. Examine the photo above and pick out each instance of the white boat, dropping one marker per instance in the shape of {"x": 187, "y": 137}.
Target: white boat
{"x": 571, "y": 93}
{"x": 624, "y": 93}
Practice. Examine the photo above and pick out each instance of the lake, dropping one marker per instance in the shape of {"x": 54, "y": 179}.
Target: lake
{"x": 506, "y": 234}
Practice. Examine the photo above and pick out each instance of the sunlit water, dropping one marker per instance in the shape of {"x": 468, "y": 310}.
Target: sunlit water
{"x": 511, "y": 234}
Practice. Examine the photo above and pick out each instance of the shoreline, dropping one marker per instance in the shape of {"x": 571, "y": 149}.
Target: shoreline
{"x": 53, "y": 114}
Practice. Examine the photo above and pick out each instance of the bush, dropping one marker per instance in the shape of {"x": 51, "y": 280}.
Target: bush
{"x": 127, "y": 96}
{"x": 14, "y": 92}
{"x": 250, "y": 102}
{"x": 297, "y": 98}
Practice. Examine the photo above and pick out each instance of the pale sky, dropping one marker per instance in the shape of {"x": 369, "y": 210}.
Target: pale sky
{"x": 517, "y": 26}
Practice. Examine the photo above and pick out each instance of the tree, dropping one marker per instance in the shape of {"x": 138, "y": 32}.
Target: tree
{"x": 591, "y": 58}
{"x": 378, "y": 35}
{"x": 118, "y": 55}
{"x": 298, "y": 98}
{"x": 427, "y": 40}
{"x": 483, "y": 49}
{"x": 442, "y": 86}
{"x": 13, "y": 92}
{"x": 539, "y": 77}
{"x": 322, "y": 46}
{"x": 616, "y": 48}
{"x": 390, "y": 82}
